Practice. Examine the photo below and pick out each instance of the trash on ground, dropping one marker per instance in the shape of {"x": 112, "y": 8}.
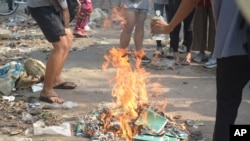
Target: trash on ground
{"x": 194, "y": 122}
{"x": 9, "y": 73}
{"x": 40, "y": 128}
{"x": 105, "y": 124}
{"x": 9, "y": 98}
{"x": 65, "y": 105}
{"x": 35, "y": 68}
{"x": 37, "y": 87}
{"x": 162, "y": 64}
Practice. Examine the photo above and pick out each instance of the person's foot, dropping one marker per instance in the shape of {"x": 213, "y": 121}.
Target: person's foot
{"x": 145, "y": 59}
{"x": 50, "y": 97}
{"x": 170, "y": 53}
{"x": 61, "y": 83}
{"x": 87, "y": 28}
{"x": 200, "y": 57}
{"x": 211, "y": 63}
{"x": 141, "y": 55}
{"x": 65, "y": 85}
{"x": 159, "y": 52}
{"x": 187, "y": 59}
{"x": 176, "y": 58}
{"x": 183, "y": 49}
{"x": 80, "y": 34}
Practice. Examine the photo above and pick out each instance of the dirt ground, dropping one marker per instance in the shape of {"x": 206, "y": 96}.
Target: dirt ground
{"x": 190, "y": 91}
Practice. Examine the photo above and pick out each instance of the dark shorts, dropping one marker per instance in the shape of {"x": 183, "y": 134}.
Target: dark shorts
{"x": 49, "y": 21}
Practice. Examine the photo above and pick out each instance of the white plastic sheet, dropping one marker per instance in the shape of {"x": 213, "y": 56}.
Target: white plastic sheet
{"x": 40, "y": 128}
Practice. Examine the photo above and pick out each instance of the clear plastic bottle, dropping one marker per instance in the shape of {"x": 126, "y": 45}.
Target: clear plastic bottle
{"x": 65, "y": 105}
{"x": 158, "y": 36}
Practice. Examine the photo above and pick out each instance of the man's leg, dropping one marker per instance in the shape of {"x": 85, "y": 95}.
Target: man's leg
{"x": 61, "y": 40}
{"x": 139, "y": 30}
{"x": 128, "y": 28}
{"x": 188, "y": 38}
{"x": 69, "y": 38}
{"x": 53, "y": 68}
{"x": 232, "y": 75}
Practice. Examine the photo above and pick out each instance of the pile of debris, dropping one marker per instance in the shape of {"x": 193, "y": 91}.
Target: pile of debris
{"x": 14, "y": 75}
{"x": 106, "y": 125}
{"x": 18, "y": 113}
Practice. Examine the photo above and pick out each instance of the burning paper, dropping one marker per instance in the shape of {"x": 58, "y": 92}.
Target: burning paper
{"x": 131, "y": 116}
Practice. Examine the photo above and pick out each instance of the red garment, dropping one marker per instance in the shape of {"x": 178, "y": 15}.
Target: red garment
{"x": 205, "y": 3}
{"x": 86, "y": 8}
{"x": 83, "y": 15}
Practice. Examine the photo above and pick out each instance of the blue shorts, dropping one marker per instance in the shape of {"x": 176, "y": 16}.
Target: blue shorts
{"x": 49, "y": 21}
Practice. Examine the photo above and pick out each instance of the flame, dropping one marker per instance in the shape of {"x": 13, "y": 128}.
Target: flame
{"x": 116, "y": 17}
{"x": 129, "y": 89}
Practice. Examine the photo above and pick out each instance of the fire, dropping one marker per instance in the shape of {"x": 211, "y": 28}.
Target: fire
{"x": 117, "y": 17}
{"x": 129, "y": 88}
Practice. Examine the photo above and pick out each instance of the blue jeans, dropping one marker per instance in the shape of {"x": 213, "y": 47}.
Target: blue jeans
{"x": 188, "y": 33}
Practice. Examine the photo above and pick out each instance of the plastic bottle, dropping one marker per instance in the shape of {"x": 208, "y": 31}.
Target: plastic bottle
{"x": 69, "y": 104}
{"x": 158, "y": 36}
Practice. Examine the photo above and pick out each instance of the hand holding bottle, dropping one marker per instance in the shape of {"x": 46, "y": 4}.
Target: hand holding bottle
{"x": 158, "y": 35}
{"x": 159, "y": 25}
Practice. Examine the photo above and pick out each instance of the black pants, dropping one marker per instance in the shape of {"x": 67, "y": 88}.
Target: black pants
{"x": 233, "y": 73}
{"x": 10, "y": 4}
{"x": 188, "y": 33}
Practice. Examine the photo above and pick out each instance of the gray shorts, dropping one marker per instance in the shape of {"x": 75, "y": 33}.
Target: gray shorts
{"x": 49, "y": 21}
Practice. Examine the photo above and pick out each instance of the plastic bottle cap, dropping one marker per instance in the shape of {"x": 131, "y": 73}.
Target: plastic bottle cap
{"x": 158, "y": 13}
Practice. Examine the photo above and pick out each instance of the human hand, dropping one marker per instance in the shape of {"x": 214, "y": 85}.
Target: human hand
{"x": 160, "y": 26}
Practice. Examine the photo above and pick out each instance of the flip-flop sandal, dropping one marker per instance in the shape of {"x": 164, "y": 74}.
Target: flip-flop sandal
{"x": 66, "y": 85}
{"x": 49, "y": 99}
{"x": 186, "y": 61}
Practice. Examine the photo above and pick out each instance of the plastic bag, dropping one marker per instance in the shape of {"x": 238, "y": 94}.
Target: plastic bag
{"x": 62, "y": 129}
{"x": 9, "y": 73}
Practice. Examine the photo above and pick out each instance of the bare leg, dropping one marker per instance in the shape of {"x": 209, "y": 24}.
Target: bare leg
{"x": 54, "y": 65}
{"x": 187, "y": 59}
{"x": 69, "y": 37}
{"x": 176, "y": 58}
{"x": 128, "y": 28}
{"x": 139, "y": 30}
